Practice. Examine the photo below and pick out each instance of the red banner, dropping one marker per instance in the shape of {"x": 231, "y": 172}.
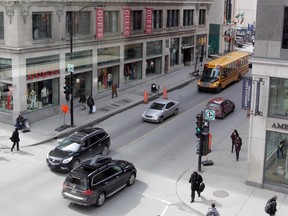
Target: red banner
{"x": 99, "y": 23}
{"x": 149, "y": 17}
{"x": 126, "y": 22}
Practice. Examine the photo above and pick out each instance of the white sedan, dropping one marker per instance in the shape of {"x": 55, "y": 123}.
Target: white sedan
{"x": 160, "y": 110}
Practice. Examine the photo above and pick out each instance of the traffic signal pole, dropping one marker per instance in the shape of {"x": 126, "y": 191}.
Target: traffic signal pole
{"x": 199, "y": 130}
{"x": 200, "y": 152}
{"x": 71, "y": 99}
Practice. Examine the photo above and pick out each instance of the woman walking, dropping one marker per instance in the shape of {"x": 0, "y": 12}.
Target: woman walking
{"x": 15, "y": 139}
{"x": 233, "y": 138}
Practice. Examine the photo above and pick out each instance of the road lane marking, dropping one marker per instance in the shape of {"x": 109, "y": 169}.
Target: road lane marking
{"x": 164, "y": 211}
{"x": 153, "y": 197}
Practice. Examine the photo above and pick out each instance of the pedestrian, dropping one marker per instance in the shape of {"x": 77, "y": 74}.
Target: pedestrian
{"x": 90, "y": 103}
{"x": 212, "y": 211}
{"x": 15, "y": 139}
{"x": 195, "y": 180}
{"x": 280, "y": 153}
{"x": 83, "y": 100}
{"x": 238, "y": 144}
{"x": 233, "y": 137}
{"x": 114, "y": 89}
{"x": 271, "y": 205}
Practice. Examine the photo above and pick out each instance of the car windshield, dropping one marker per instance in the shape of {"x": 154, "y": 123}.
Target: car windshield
{"x": 213, "y": 105}
{"x": 76, "y": 183}
{"x": 157, "y": 106}
{"x": 211, "y": 72}
{"x": 69, "y": 144}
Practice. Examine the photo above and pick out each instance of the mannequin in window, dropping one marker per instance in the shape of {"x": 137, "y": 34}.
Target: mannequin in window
{"x": 44, "y": 94}
{"x": 33, "y": 99}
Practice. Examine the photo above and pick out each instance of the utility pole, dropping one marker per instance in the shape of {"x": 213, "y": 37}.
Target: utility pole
{"x": 71, "y": 72}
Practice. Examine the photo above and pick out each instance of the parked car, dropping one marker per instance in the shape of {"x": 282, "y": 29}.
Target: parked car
{"x": 77, "y": 147}
{"x": 160, "y": 110}
{"x": 239, "y": 41}
{"x": 97, "y": 178}
{"x": 221, "y": 106}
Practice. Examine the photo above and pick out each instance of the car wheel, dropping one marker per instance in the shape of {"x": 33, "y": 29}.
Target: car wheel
{"x": 161, "y": 119}
{"x": 105, "y": 150}
{"x": 131, "y": 179}
{"x": 100, "y": 199}
{"x": 176, "y": 112}
{"x": 75, "y": 164}
{"x": 218, "y": 90}
{"x": 239, "y": 78}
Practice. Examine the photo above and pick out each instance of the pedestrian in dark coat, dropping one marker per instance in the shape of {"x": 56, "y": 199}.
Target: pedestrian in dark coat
{"x": 233, "y": 137}
{"x": 83, "y": 101}
{"x": 273, "y": 205}
{"x": 114, "y": 89}
{"x": 15, "y": 139}
{"x": 195, "y": 180}
{"x": 90, "y": 103}
{"x": 238, "y": 144}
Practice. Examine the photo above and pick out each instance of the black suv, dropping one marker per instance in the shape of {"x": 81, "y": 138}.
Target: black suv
{"x": 97, "y": 178}
{"x": 78, "y": 147}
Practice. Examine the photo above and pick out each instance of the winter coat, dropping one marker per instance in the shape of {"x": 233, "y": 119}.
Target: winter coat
{"x": 82, "y": 98}
{"x": 90, "y": 101}
{"x": 114, "y": 87}
{"x": 195, "y": 181}
{"x": 238, "y": 144}
{"x": 15, "y": 136}
{"x": 273, "y": 206}
{"x": 212, "y": 212}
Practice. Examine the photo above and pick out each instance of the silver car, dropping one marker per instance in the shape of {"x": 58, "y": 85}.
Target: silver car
{"x": 160, "y": 110}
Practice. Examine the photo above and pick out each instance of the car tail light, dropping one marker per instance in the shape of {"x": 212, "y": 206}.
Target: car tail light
{"x": 87, "y": 192}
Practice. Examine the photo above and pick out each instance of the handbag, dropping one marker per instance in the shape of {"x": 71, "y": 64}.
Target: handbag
{"x": 12, "y": 139}
{"x": 202, "y": 187}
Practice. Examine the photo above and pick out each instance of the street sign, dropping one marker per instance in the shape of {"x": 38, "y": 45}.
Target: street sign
{"x": 210, "y": 114}
{"x": 70, "y": 68}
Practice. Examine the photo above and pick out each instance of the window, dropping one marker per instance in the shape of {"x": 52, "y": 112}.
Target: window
{"x": 278, "y": 98}
{"x": 80, "y": 21}
{"x": 133, "y": 51}
{"x": 42, "y": 26}
{"x": 1, "y": 26}
{"x": 136, "y": 20}
{"x": 202, "y": 14}
{"x": 154, "y": 48}
{"x": 188, "y": 18}
{"x": 157, "y": 19}
{"x": 285, "y": 30}
{"x": 172, "y": 18}
{"x": 111, "y": 21}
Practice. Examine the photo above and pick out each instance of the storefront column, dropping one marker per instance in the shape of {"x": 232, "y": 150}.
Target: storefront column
{"x": 19, "y": 86}
{"x": 144, "y": 65}
{"x": 94, "y": 73}
{"x": 121, "y": 67}
{"x": 63, "y": 66}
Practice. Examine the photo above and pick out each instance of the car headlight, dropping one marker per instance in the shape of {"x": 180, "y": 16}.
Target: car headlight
{"x": 67, "y": 160}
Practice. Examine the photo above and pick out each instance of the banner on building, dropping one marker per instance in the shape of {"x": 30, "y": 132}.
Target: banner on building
{"x": 148, "y": 25}
{"x": 126, "y": 22}
{"x": 246, "y": 93}
{"x": 99, "y": 23}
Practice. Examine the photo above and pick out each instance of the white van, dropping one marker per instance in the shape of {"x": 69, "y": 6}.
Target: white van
{"x": 239, "y": 41}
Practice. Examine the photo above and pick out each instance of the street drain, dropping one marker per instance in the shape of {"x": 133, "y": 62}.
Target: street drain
{"x": 221, "y": 194}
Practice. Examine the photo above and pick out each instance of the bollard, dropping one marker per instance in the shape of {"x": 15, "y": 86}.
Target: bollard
{"x": 145, "y": 96}
{"x": 165, "y": 93}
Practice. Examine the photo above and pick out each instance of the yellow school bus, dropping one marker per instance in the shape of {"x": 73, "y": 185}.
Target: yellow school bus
{"x": 220, "y": 72}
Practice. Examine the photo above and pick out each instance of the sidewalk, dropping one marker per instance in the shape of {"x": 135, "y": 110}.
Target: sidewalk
{"x": 225, "y": 180}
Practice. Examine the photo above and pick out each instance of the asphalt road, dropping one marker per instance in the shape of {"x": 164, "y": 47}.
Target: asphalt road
{"x": 161, "y": 153}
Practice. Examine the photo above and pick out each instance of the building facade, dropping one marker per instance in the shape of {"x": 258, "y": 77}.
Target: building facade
{"x": 268, "y": 136}
{"x": 101, "y": 41}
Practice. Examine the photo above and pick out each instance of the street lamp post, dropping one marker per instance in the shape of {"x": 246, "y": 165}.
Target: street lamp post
{"x": 71, "y": 72}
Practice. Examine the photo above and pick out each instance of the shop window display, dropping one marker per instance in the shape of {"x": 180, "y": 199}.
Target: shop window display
{"x": 276, "y": 159}
{"x": 6, "y": 97}
{"x": 153, "y": 66}
{"x": 278, "y": 98}
{"x": 42, "y": 94}
{"x": 133, "y": 71}
{"x": 106, "y": 76}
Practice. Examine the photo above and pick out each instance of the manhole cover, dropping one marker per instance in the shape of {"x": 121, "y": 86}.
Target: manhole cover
{"x": 221, "y": 194}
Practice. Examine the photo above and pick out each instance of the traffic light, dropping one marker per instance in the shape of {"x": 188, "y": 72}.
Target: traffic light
{"x": 199, "y": 123}
{"x": 67, "y": 87}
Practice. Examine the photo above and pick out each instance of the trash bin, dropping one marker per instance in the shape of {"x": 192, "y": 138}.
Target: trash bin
{"x": 154, "y": 87}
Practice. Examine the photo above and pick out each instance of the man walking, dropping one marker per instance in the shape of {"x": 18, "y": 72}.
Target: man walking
{"x": 114, "y": 89}
{"x": 90, "y": 103}
{"x": 83, "y": 101}
{"x": 195, "y": 180}
{"x": 15, "y": 139}
{"x": 238, "y": 144}
{"x": 233, "y": 138}
{"x": 212, "y": 211}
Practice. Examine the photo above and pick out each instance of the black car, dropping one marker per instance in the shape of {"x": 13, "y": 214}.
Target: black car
{"x": 78, "y": 147}
{"x": 97, "y": 178}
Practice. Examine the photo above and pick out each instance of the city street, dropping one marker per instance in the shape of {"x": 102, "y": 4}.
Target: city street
{"x": 160, "y": 152}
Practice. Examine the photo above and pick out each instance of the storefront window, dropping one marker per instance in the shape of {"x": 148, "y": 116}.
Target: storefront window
{"x": 5, "y": 69}
{"x": 133, "y": 71}
{"x": 153, "y": 66}
{"x": 108, "y": 55}
{"x": 276, "y": 159}
{"x": 42, "y": 94}
{"x": 278, "y": 98}
{"x": 81, "y": 60}
{"x": 1, "y": 26}
{"x": 174, "y": 51}
{"x": 6, "y": 97}
{"x": 133, "y": 51}
{"x": 154, "y": 48}
{"x": 106, "y": 76}
{"x": 82, "y": 84}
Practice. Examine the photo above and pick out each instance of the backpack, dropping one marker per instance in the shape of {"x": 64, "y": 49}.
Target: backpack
{"x": 268, "y": 207}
